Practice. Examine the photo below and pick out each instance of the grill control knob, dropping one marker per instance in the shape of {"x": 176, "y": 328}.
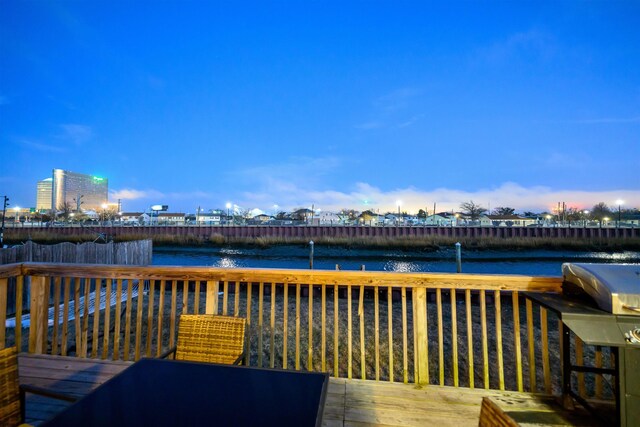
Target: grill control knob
{"x": 633, "y": 336}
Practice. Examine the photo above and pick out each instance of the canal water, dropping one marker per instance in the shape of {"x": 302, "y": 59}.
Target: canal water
{"x": 526, "y": 262}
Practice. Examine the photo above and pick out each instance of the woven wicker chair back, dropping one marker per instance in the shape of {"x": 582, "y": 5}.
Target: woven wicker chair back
{"x": 210, "y": 338}
{"x": 9, "y": 388}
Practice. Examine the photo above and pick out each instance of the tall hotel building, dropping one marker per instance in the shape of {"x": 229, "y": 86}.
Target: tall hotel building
{"x": 78, "y": 190}
{"x": 43, "y": 195}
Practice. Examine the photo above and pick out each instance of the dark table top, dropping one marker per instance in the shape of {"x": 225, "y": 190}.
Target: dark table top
{"x": 174, "y": 393}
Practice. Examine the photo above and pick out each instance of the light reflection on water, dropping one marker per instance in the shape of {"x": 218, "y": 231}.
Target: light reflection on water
{"x": 401, "y": 266}
{"x": 227, "y": 262}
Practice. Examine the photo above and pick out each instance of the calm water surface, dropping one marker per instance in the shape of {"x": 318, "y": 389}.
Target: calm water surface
{"x": 534, "y": 263}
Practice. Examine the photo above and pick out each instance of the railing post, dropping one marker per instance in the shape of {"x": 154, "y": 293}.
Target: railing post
{"x": 39, "y": 304}
{"x": 419, "y": 301}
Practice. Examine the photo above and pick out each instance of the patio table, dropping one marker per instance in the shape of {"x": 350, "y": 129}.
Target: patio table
{"x": 176, "y": 393}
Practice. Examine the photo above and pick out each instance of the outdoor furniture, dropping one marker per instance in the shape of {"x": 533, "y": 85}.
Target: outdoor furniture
{"x": 12, "y": 394}
{"x": 209, "y": 338}
{"x": 161, "y": 392}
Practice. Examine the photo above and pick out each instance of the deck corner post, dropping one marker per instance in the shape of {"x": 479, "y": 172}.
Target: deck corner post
{"x": 38, "y": 307}
{"x": 420, "y": 325}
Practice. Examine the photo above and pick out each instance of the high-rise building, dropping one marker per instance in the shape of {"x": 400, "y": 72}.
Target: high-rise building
{"x": 78, "y": 191}
{"x": 43, "y": 195}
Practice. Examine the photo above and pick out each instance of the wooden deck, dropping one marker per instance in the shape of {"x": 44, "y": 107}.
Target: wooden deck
{"x": 349, "y": 402}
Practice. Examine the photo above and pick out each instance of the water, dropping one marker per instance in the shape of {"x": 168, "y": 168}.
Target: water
{"x": 526, "y": 262}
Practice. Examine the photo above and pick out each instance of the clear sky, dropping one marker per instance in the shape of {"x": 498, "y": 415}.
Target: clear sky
{"x": 336, "y": 104}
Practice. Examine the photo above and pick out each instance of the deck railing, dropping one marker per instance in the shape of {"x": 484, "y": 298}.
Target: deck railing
{"x": 449, "y": 329}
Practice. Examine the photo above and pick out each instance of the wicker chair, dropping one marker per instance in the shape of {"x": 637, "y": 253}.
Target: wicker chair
{"x": 209, "y": 338}
{"x": 12, "y": 394}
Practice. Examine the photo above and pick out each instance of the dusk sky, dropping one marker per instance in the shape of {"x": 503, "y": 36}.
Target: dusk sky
{"x": 336, "y": 104}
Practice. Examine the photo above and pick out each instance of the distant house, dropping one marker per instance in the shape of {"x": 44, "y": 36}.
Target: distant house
{"x": 259, "y": 219}
{"x": 208, "y": 219}
{"x": 136, "y": 218}
{"x": 437, "y": 220}
{"x": 510, "y": 221}
{"x": 327, "y": 218}
{"x": 168, "y": 218}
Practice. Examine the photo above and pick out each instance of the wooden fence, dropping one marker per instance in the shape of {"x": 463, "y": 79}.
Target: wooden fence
{"x": 461, "y": 330}
{"x": 137, "y": 252}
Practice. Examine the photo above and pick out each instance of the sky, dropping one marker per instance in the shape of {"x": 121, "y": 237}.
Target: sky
{"x": 331, "y": 104}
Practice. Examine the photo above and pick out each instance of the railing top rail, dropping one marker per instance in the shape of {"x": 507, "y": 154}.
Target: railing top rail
{"x": 10, "y": 270}
{"x": 313, "y": 277}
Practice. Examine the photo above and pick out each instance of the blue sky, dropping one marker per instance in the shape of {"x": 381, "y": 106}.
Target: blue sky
{"x": 335, "y": 104}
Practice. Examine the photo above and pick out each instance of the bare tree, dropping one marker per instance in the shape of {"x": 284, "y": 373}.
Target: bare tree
{"x": 600, "y": 211}
{"x": 504, "y": 211}
{"x": 472, "y": 210}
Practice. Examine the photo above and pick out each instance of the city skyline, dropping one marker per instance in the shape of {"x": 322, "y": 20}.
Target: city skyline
{"x": 328, "y": 104}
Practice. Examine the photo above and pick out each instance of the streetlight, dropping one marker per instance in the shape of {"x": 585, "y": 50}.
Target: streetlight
{"x": 15, "y": 216}
{"x": 228, "y": 207}
{"x": 605, "y": 219}
{"x": 398, "y": 202}
{"x": 586, "y": 213}
{"x": 4, "y": 211}
{"x": 619, "y": 203}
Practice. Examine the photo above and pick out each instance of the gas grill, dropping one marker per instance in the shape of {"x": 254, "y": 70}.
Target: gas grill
{"x": 600, "y": 304}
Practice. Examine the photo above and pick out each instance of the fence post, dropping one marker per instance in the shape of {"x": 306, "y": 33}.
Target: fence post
{"x": 419, "y": 302}
{"x": 39, "y": 305}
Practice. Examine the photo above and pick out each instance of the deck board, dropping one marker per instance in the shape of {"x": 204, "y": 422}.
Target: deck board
{"x": 348, "y": 403}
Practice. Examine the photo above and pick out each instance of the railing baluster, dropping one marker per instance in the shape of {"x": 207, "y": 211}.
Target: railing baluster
{"x": 349, "y": 335}
{"x": 260, "y": 326}
{"x": 336, "y": 336}
{"x": 440, "y": 337}
{"x": 76, "y": 315}
{"x": 376, "y": 333}
{"x": 4, "y": 296}
{"x": 310, "y": 344}
{"x": 496, "y": 296}
{"x": 85, "y": 318}
{"x": 485, "y": 338}
{"x": 454, "y": 337}
{"x": 323, "y": 324}
{"x": 236, "y": 294}
{"x": 272, "y": 341}
{"x": 116, "y": 332}
{"x": 196, "y": 299}
{"x": 297, "y": 356}
{"x": 545, "y": 350}
{"x": 390, "y": 329}
{"x": 65, "y": 318}
{"x": 172, "y": 320}
{"x": 515, "y": 301}
{"x": 160, "y": 315}
{"x": 138, "y": 336}
{"x": 225, "y": 297}
{"x": 56, "y": 317}
{"x": 582, "y": 389}
{"x": 532, "y": 348}
{"x": 598, "y": 361}
{"x": 185, "y": 297}
{"x": 467, "y": 297}
{"x": 96, "y": 320}
{"x": 152, "y": 291}
{"x": 285, "y": 326}
{"x": 363, "y": 363}
{"x": 405, "y": 350}
{"x": 127, "y": 320}
{"x": 247, "y": 358}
